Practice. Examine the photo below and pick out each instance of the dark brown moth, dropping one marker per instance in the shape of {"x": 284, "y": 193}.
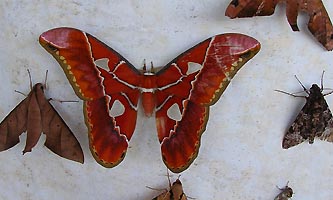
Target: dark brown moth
{"x": 319, "y": 24}
{"x": 285, "y": 193}
{"x": 35, "y": 115}
{"x": 314, "y": 120}
{"x": 175, "y": 192}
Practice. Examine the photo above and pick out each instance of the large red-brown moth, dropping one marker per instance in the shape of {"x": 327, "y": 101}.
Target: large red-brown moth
{"x": 319, "y": 23}
{"x": 35, "y": 115}
{"x": 175, "y": 85}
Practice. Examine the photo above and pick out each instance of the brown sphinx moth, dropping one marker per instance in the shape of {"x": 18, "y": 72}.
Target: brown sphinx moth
{"x": 35, "y": 115}
{"x": 319, "y": 24}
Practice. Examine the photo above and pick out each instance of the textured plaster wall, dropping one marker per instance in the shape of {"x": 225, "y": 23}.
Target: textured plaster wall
{"x": 240, "y": 155}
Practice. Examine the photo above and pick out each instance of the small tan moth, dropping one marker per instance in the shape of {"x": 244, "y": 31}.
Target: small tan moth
{"x": 175, "y": 191}
{"x": 285, "y": 193}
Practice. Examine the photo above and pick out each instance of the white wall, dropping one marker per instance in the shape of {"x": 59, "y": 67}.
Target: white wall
{"x": 240, "y": 156}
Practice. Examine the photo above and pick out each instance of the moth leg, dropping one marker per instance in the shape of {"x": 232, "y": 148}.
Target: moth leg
{"x": 282, "y": 188}
{"x": 30, "y": 83}
{"x": 291, "y": 94}
{"x": 30, "y": 79}
{"x": 45, "y": 78}
{"x": 169, "y": 178}
{"x": 327, "y": 135}
{"x": 63, "y": 101}
{"x": 21, "y": 93}
{"x": 321, "y": 81}
{"x": 328, "y": 93}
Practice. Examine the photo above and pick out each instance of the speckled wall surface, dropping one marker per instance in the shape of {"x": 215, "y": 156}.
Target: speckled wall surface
{"x": 240, "y": 155}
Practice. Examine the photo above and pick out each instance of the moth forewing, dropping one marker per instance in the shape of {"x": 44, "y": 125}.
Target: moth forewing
{"x": 13, "y": 125}
{"x": 328, "y": 133}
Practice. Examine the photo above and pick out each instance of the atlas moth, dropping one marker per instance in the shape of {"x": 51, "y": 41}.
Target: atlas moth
{"x": 219, "y": 58}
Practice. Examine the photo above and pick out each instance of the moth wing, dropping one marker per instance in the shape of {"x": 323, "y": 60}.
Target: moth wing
{"x": 320, "y": 24}
{"x": 107, "y": 144}
{"x": 250, "y": 8}
{"x": 327, "y": 134}
{"x": 72, "y": 51}
{"x": 297, "y": 130}
{"x": 164, "y": 196}
{"x": 59, "y": 138}
{"x": 192, "y": 82}
{"x": 14, "y": 124}
{"x": 110, "y": 132}
{"x": 79, "y": 53}
{"x": 101, "y": 77}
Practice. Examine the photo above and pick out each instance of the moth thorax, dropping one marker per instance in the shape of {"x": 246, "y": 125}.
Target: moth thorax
{"x": 39, "y": 89}
{"x": 148, "y": 103}
{"x": 289, "y": 192}
{"x": 286, "y": 194}
{"x": 315, "y": 90}
{"x": 39, "y": 86}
